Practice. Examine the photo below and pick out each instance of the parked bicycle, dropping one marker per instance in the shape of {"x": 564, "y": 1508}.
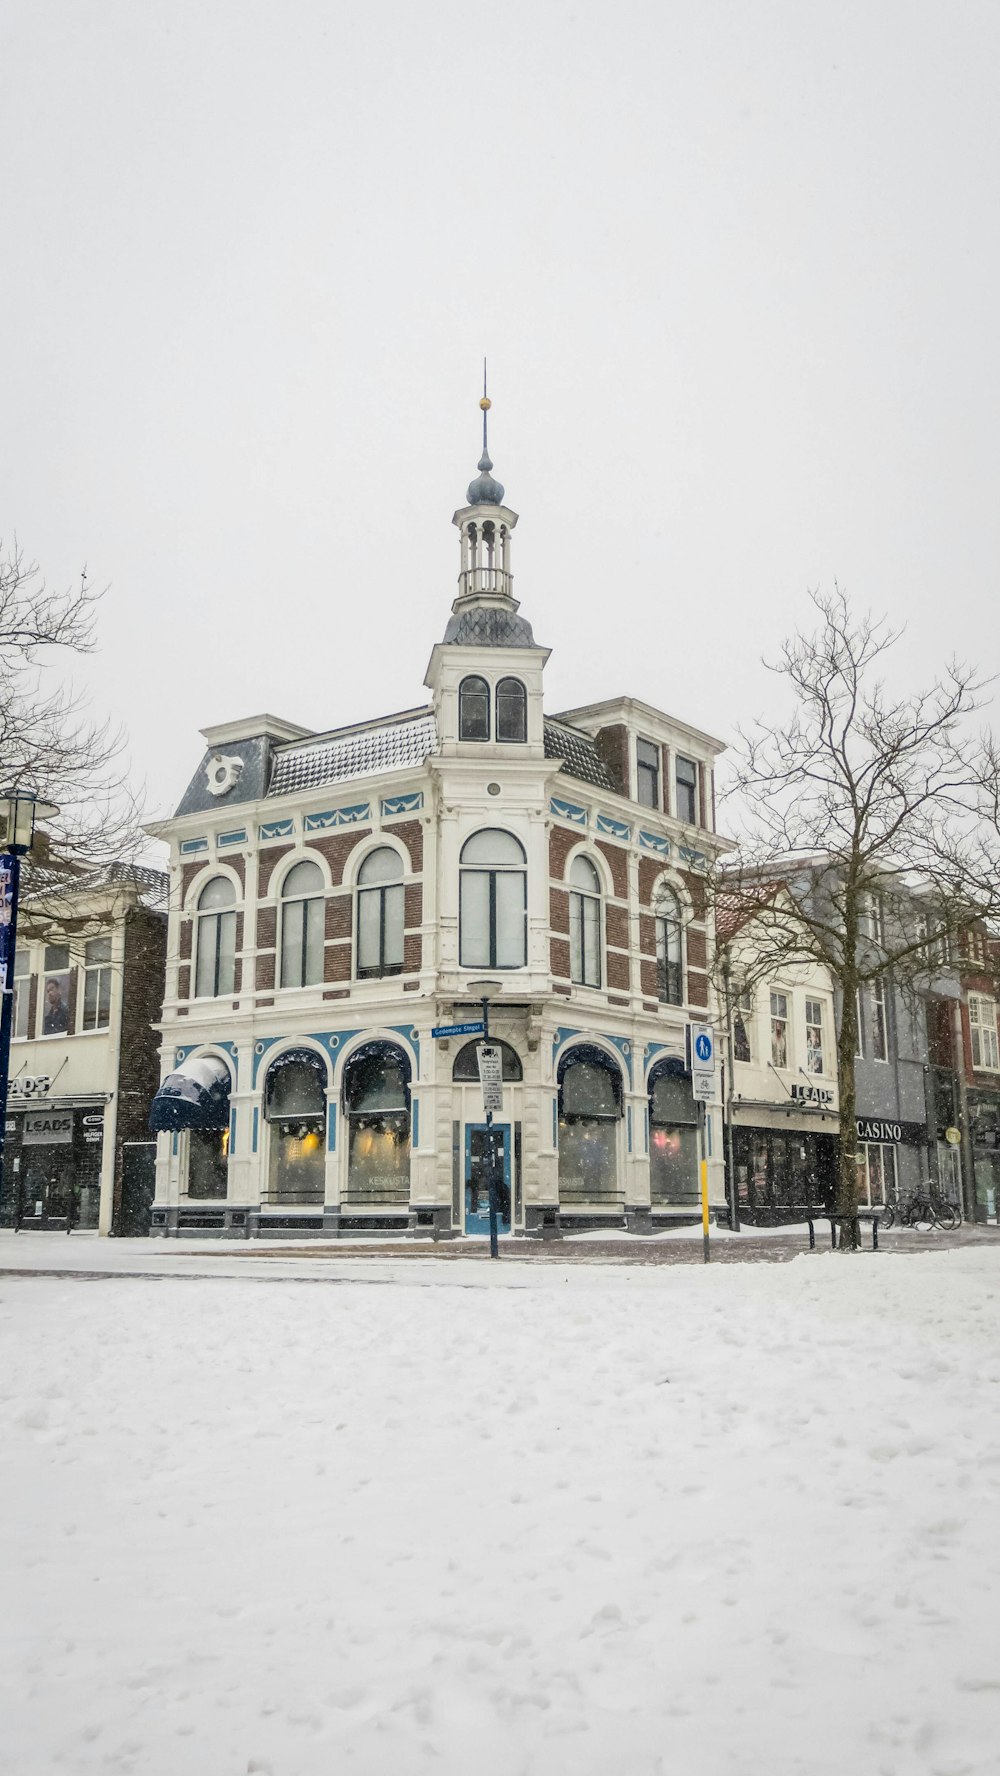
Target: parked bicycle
{"x": 923, "y": 1213}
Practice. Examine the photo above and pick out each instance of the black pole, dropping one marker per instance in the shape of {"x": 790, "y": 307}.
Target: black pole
{"x": 7, "y": 1014}
{"x": 491, "y": 1169}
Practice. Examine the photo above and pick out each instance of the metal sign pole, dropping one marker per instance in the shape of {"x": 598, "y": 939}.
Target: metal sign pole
{"x": 8, "y": 941}
{"x": 491, "y": 1155}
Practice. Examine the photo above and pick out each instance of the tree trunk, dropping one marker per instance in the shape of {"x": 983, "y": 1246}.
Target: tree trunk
{"x": 846, "y": 1204}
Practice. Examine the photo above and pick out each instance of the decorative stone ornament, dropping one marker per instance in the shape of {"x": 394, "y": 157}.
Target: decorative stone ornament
{"x": 223, "y": 773}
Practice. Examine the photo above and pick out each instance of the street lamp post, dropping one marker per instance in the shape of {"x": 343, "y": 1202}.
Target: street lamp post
{"x": 18, "y": 813}
{"x": 487, "y": 990}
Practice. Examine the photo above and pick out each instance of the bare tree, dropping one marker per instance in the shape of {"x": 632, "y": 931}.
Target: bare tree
{"x": 48, "y": 743}
{"x": 857, "y": 800}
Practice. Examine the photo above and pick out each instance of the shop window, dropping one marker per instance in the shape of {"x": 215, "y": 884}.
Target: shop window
{"x": 585, "y": 923}
{"x": 55, "y": 991}
{"x": 983, "y": 1030}
{"x": 779, "y": 1030}
{"x": 208, "y": 1164}
{"x": 673, "y": 1137}
{"x": 96, "y": 984}
{"x": 377, "y": 1108}
{"x": 590, "y": 1110}
{"x": 880, "y": 1022}
{"x": 876, "y": 920}
{"x": 473, "y": 709}
{"x": 742, "y": 1024}
{"x": 22, "y": 993}
{"x": 493, "y": 902}
{"x": 302, "y": 917}
{"x": 815, "y": 1061}
{"x": 647, "y": 771}
{"x": 466, "y": 1068}
{"x": 380, "y": 914}
{"x": 295, "y": 1110}
{"x": 669, "y": 960}
{"x": 215, "y": 972}
{"x": 686, "y": 790}
{"x": 876, "y": 1173}
{"x": 512, "y": 710}
{"x": 859, "y": 1044}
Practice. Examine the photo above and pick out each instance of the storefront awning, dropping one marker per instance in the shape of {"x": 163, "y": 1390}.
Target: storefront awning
{"x": 195, "y": 1097}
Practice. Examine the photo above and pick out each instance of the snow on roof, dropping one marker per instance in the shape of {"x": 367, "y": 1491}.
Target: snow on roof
{"x": 577, "y": 752}
{"x": 390, "y": 745}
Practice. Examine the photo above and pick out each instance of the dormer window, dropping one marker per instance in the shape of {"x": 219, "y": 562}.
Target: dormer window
{"x": 512, "y": 710}
{"x": 473, "y": 709}
{"x": 647, "y": 762}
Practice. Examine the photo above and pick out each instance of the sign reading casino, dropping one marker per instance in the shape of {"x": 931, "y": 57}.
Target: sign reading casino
{"x": 869, "y": 1128}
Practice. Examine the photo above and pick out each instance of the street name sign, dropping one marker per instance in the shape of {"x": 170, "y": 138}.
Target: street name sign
{"x": 490, "y": 1058}
{"x": 458, "y": 1029}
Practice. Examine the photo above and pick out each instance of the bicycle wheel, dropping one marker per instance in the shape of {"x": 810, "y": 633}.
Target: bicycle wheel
{"x": 922, "y": 1216}
{"x": 886, "y": 1215}
{"x": 947, "y": 1216}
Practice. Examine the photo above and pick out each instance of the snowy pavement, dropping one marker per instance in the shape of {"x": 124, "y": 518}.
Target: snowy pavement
{"x": 560, "y": 1520}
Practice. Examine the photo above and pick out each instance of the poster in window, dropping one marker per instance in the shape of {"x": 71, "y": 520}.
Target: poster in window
{"x": 55, "y": 1004}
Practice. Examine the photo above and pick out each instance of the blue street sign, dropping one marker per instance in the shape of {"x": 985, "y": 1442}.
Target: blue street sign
{"x": 703, "y": 1046}
{"x": 458, "y": 1030}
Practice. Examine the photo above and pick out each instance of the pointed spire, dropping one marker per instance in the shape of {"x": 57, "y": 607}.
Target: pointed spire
{"x": 484, "y": 491}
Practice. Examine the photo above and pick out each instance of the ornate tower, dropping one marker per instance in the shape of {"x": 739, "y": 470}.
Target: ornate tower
{"x": 485, "y": 612}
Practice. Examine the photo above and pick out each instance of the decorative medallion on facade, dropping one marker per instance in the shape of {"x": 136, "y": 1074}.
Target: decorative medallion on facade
{"x": 337, "y": 817}
{"x": 222, "y": 773}
{"x": 568, "y": 811}
{"x": 614, "y": 829}
{"x": 402, "y": 804}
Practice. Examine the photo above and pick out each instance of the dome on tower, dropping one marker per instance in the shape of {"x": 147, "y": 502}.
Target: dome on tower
{"x": 484, "y": 491}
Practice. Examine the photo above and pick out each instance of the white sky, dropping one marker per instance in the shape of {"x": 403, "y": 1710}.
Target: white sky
{"x": 735, "y": 267}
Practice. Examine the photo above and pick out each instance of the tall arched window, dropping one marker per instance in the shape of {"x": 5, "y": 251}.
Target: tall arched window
{"x": 466, "y": 1068}
{"x": 493, "y": 902}
{"x": 215, "y": 971}
{"x": 302, "y": 914}
{"x": 295, "y": 1110}
{"x": 585, "y": 923}
{"x": 380, "y": 914}
{"x": 473, "y": 709}
{"x": 590, "y": 1108}
{"x": 377, "y": 1107}
{"x": 669, "y": 958}
{"x": 512, "y": 710}
{"x": 673, "y": 1136}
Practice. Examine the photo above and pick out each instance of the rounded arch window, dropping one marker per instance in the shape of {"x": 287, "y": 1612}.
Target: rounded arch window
{"x": 295, "y": 1110}
{"x": 584, "y": 923}
{"x": 466, "y": 1068}
{"x": 302, "y": 920}
{"x": 377, "y": 1108}
{"x": 474, "y": 709}
{"x": 669, "y": 946}
{"x": 512, "y": 710}
{"x": 215, "y": 950}
{"x": 590, "y": 1109}
{"x": 673, "y": 1136}
{"x": 381, "y": 910}
{"x": 493, "y": 901}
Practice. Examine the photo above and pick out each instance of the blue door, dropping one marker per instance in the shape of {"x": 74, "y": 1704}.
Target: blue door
{"x": 477, "y": 1194}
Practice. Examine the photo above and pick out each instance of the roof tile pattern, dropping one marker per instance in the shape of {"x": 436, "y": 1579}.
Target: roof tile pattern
{"x": 363, "y": 753}
{"x": 578, "y": 753}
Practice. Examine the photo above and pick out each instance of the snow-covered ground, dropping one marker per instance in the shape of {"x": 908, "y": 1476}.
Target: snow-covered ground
{"x": 516, "y": 1519}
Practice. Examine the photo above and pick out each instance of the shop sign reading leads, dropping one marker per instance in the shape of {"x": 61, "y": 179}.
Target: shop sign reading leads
{"x": 490, "y": 1058}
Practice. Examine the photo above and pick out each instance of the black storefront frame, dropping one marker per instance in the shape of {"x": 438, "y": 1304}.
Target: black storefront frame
{"x": 64, "y": 1204}
{"x": 800, "y": 1167}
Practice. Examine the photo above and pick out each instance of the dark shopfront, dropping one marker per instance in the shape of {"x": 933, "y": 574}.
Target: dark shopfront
{"x": 776, "y": 1167}
{"x": 52, "y": 1166}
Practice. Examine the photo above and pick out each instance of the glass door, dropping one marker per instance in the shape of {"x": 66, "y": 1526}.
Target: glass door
{"x": 477, "y": 1194}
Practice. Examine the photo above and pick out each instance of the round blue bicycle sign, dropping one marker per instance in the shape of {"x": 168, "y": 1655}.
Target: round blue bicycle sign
{"x": 703, "y": 1046}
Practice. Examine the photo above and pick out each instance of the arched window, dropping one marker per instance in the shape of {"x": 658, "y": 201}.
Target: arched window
{"x": 377, "y": 1107}
{"x": 295, "y": 1109}
{"x": 590, "y": 1108}
{"x": 512, "y": 710}
{"x": 673, "y": 1136}
{"x": 215, "y": 973}
{"x": 380, "y": 914}
{"x": 473, "y": 709}
{"x": 584, "y": 923}
{"x": 493, "y": 902}
{"x": 669, "y": 961}
{"x": 302, "y": 914}
{"x": 466, "y": 1068}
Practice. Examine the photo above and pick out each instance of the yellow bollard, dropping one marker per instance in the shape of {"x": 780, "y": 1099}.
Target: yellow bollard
{"x": 704, "y": 1206}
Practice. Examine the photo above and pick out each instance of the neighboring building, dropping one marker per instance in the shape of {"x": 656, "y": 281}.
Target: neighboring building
{"x": 965, "y": 1056}
{"x": 336, "y": 896}
{"x": 88, "y": 989}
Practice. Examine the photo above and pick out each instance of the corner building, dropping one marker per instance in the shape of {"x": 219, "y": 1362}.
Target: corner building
{"x": 335, "y": 896}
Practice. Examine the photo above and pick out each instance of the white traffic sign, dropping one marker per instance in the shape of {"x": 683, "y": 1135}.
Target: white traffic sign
{"x": 490, "y": 1058}
{"x": 702, "y": 1053}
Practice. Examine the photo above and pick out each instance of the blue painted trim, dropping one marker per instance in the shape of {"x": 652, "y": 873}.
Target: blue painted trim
{"x": 568, "y": 811}
{"x": 320, "y": 1036}
{"x": 189, "y": 846}
{"x": 654, "y": 842}
{"x": 645, "y": 1127}
{"x": 232, "y": 1129}
{"x": 238, "y": 837}
{"x": 696, "y": 858}
{"x": 331, "y": 1126}
{"x": 614, "y": 829}
{"x": 708, "y": 1135}
{"x": 402, "y": 804}
{"x": 414, "y": 1121}
{"x": 276, "y": 829}
{"x": 498, "y": 1127}
{"x": 255, "y": 1135}
{"x": 173, "y": 1146}
{"x": 348, "y": 816}
{"x": 621, "y": 1043}
{"x": 628, "y": 1125}
{"x": 555, "y": 1122}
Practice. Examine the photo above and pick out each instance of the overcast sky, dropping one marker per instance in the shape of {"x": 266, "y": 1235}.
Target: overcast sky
{"x": 735, "y": 267}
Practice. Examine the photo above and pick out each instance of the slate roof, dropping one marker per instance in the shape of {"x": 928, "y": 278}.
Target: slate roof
{"x": 151, "y": 885}
{"x": 489, "y": 627}
{"x": 361, "y": 752}
{"x": 578, "y": 753}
